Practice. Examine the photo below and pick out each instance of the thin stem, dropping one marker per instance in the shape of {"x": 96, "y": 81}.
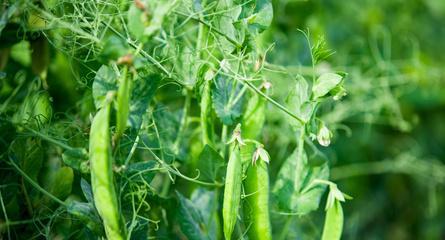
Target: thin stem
{"x": 143, "y": 53}
{"x": 21, "y": 222}
{"x": 231, "y": 40}
{"x": 132, "y": 150}
{"x": 179, "y": 174}
{"x": 281, "y": 107}
{"x": 223, "y": 140}
{"x": 36, "y": 185}
{"x": 285, "y": 229}
{"x": 5, "y": 214}
{"x": 49, "y": 139}
{"x": 11, "y": 96}
{"x": 183, "y": 123}
{"x": 300, "y": 163}
{"x": 63, "y": 24}
{"x": 205, "y": 114}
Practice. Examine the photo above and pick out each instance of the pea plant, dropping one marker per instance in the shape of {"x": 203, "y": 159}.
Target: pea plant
{"x": 161, "y": 120}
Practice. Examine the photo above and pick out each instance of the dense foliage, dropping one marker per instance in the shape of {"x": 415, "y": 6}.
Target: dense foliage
{"x": 222, "y": 119}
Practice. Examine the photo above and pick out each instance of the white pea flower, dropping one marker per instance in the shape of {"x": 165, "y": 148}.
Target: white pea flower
{"x": 236, "y": 136}
{"x": 324, "y": 136}
{"x": 225, "y": 65}
{"x": 209, "y": 75}
{"x": 266, "y": 85}
{"x": 335, "y": 195}
{"x": 260, "y": 153}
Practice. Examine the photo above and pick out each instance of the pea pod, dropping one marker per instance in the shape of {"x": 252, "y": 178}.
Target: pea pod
{"x": 123, "y": 103}
{"x": 232, "y": 191}
{"x": 206, "y": 110}
{"x": 333, "y": 225}
{"x": 256, "y": 184}
{"x": 256, "y": 206}
{"x": 254, "y": 117}
{"x": 104, "y": 193}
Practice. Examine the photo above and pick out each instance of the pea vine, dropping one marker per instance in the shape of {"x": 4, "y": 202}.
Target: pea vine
{"x": 164, "y": 128}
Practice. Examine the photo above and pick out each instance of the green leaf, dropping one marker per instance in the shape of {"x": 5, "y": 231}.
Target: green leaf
{"x": 161, "y": 9}
{"x": 223, "y": 92}
{"x": 75, "y": 157}
{"x": 142, "y": 92}
{"x": 206, "y": 202}
{"x": 141, "y": 169}
{"x": 324, "y": 84}
{"x": 33, "y": 160}
{"x": 301, "y": 196}
{"x": 62, "y": 182}
{"x": 299, "y": 102}
{"x": 210, "y": 164}
{"x": 86, "y": 190}
{"x": 7, "y": 14}
{"x": 21, "y": 53}
{"x": 30, "y": 156}
{"x": 189, "y": 218}
{"x": 137, "y": 21}
{"x": 227, "y": 24}
{"x": 87, "y": 214}
{"x": 262, "y": 17}
{"x": 140, "y": 231}
{"x": 114, "y": 48}
{"x": 104, "y": 81}
{"x": 167, "y": 124}
{"x": 333, "y": 225}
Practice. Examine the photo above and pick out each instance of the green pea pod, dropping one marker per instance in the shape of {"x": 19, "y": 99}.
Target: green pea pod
{"x": 333, "y": 225}
{"x": 256, "y": 184}
{"x": 40, "y": 56}
{"x": 123, "y": 103}
{"x": 104, "y": 193}
{"x": 254, "y": 117}
{"x": 206, "y": 111}
{"x": 232, "y": 191}
{"x": 256, "y": 205}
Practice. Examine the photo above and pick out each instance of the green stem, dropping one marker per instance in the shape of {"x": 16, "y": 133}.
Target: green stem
{"x": 133, "y": 148}
{"x": 200, "y": 30}
{"x": 300, "y": 163}
{"x": 205, "y": 114}
{"x": 36, "y": 185}
{"x": 21, "y": 222}
{"x": 281, "y": 107}
{"x": 179, "y": 174}
{"x": 49, "y": 139}
{"x": 183, "y": 123}
{"x": 231, "y": 40}
{"x": 223, "y": 140}
{"x": 63, "y": 24}
{"x": 143, "y": 53}
{"x": 285, "y": 229}
{"x": 5, "y": 214}
{"x": 11, "y": 96}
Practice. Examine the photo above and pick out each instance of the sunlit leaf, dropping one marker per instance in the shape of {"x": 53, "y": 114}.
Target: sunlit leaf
{"x": 104, "y": 81}
{"x": 190, "y": 219}
{"x": 295, "y": 190}
{"x": 223, "y": 93}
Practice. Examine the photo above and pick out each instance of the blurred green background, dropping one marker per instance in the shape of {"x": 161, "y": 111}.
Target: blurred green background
{"x": 389, "y": 151}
